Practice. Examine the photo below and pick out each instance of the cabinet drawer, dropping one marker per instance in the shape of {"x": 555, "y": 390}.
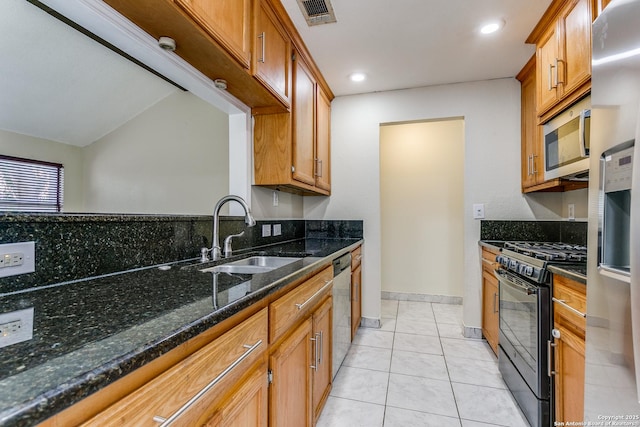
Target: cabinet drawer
{"x": 225, "y": 359}
{"x": 287, "y": 310}
{"x": 569, "y": 300}
{"x": 489, "y": 260}
{"x": 356, "y": 257}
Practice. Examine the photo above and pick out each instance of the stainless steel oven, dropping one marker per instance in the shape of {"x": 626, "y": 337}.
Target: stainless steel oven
{"x": 526, "y": 322}
{"x": 525, "y": 330}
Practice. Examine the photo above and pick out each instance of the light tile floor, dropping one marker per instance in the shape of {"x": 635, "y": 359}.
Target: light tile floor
{"x": 419, "y": 370}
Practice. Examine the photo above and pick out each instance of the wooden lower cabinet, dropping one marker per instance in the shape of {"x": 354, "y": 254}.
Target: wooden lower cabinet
{"x": 356, "y": 290}
{"x": 322, "y": 334}
{"x": 248, "y": 405}
{"x": 568, "y": 349}
{"x": 490, "y": 301}
{"x": 230, "y": 394}
{"x": 290, "y": 389}
{"x": 301, "y": 371}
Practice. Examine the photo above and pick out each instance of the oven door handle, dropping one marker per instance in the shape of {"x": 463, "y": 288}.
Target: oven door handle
{"x": 507, "y": 279}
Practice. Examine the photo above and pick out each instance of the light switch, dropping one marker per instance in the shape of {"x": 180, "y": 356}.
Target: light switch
{"x": 478, "y": 211}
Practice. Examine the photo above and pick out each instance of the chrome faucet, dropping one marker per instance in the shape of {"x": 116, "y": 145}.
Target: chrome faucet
{"x": 248, "y": 219}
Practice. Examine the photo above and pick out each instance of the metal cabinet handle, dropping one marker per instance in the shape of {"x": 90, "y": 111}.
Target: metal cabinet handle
{"x": 359, "y": 257}
{"x": 321, "y": 338}
{"x": 550, "y": 346}
{"x": 550, "y": 86}
{"x": 534, "y": 170}
{"x": 495, "y": 306}
{"x": 262, "y": 36}
{"x": 318, "y": 167}
{"x": 216, "y": 380}
{"x": 315, "y": 353}
{"x": 567, "y": 306}
{"x": 558, "y": 73}
{"x": 327, "y": 284}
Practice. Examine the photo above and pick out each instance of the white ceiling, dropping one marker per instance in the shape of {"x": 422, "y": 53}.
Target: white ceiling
{"x": 402, "y": 44}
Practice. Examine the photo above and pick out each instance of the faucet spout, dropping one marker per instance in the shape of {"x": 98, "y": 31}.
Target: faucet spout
{"x": 216, "y": 252}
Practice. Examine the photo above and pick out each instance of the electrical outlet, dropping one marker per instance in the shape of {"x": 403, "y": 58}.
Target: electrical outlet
{"x": 277, "y": 229}
{"x": 266, "y": 230}
{"x": 17, "y": 258}
{"x": 572, "y": 211}
{"x": 275, "y": 198}
{"x": 16, "y": 326}
{"x": 478, "y": 211}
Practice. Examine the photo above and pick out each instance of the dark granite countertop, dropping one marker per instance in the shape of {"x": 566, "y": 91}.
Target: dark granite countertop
{"x": 89, "y": 333}
{"x": 577, "y": 273}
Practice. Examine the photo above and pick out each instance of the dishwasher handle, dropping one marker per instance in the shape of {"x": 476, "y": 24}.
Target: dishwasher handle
{"x": 341, "y": 264}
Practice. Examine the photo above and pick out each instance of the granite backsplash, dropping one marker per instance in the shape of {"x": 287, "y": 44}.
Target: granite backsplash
{"x": 573, "y": 232}
{"x": 76, "y": 246}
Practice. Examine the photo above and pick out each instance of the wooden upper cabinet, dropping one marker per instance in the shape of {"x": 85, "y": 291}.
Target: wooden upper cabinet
{"x": 532, "y": 172}
{"x": 323, "y": 140}
{"x": 575, "y": 49}
{"x": 272, "y": 53}
{"x": 227, "y": 21}
{"x": 304, "y": 121}
{"x": 563, "y": 55}
{"x": 292, "y": 151}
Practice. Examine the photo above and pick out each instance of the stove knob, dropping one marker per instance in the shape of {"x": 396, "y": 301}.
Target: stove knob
{"x": 529, "y": 271}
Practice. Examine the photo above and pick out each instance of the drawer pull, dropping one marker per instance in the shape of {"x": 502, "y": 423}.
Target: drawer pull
{"x": 216, "y": 380}
{"x": 359, "y": 257}
{"x": 564, "y": 303}
{"x": 321, "y": 290}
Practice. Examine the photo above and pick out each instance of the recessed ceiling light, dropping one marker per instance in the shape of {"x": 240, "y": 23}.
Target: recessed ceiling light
{"x": 492, "y": 27}
{"x": 358, "y": 77}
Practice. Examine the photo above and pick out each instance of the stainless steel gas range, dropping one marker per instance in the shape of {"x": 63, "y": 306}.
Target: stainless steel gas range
{"x": 526, "y": 321}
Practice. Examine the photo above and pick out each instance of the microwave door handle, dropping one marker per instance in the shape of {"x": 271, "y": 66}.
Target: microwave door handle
{"x": 582, "y": 132}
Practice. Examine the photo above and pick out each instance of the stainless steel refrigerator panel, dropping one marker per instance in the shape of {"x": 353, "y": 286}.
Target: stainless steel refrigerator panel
{"x": 613, "y": 304}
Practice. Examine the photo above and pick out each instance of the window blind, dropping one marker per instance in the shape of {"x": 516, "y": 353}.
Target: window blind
{"x": 30, "y": 185}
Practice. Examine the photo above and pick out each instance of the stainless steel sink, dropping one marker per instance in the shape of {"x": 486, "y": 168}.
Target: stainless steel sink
{"x": 252, "y": 265}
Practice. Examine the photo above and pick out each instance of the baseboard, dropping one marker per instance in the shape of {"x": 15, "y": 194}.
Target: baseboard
{"x": 471, "y": 332}
{"x": 403, "y": 296}
{"x": 369, "y": 322}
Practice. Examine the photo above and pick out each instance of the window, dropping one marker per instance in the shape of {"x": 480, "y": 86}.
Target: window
{"x": 30, "y": 185}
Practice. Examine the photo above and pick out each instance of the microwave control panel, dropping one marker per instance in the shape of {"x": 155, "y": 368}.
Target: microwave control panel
{"x": 617, "y": 170}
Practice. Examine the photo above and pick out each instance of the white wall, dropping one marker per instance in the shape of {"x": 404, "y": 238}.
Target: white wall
{"x": 422, "y": 196}
{"x": 491, "y": 112}
{"x": 171, "y": 159}
{"x": 28, "y": 147}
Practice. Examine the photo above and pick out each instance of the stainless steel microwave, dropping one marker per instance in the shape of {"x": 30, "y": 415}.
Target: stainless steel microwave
{"x": 566, "y": 143}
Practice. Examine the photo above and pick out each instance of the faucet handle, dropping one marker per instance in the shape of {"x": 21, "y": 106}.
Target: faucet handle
{"x": 227, "y": 244}
{"x": 204, "y": 257}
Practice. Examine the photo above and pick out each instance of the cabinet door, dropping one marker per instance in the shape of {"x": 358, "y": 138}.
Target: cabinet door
{"x": 490, "y": 309}
{"x": 569, "y": 375}
{"x": 323, "y": 142}
{"x": 575, "y": 25}
{"x": 272, "y": 57}
{"x": 290, "y": 391}
{"x": 247, "y": 406}
{"x": 304, "y": 101}
{"x": 547, "y": 63}
{"x": 531, "y": 136}
{"x": 356, "y": 298}
{"x": 227, "y": 21}
{"x": 322, "y": 334}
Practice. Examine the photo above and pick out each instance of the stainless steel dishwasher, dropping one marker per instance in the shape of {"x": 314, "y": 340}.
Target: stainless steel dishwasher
{"x": 341, "y": 309}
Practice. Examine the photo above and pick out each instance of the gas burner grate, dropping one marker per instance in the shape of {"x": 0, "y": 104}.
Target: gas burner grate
{"x": 550, "y": 251}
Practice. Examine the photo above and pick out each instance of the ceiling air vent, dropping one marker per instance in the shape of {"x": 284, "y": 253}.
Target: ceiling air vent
{"x": 317, "y": 12}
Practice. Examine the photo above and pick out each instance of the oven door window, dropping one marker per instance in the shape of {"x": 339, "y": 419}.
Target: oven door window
{"x": 519, "y": 318}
